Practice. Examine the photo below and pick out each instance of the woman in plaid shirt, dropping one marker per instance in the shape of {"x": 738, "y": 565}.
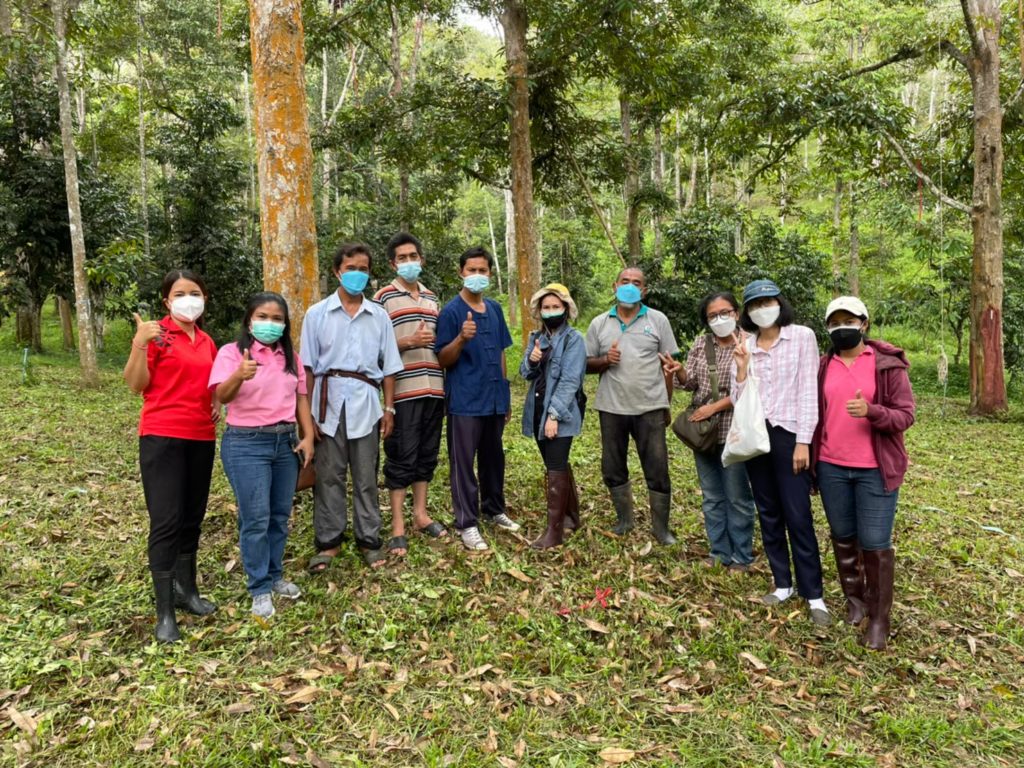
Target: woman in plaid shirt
{"x": 726, "y": 501}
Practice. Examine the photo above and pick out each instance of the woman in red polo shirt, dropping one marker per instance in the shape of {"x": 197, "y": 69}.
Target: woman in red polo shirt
{"x": 866, "y": 405}
{"x": 169, "y": 365}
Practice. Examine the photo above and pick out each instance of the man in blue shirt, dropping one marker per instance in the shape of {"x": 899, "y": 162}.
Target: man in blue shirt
{"x": 349, "y": 350}
{"x": 471, "y": 340}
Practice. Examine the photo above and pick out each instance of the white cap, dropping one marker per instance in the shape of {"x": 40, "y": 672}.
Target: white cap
{"x": 851, "y": 304}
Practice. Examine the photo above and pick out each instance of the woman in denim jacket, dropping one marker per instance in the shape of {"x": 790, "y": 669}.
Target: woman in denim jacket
{"x": 554, "y": 363}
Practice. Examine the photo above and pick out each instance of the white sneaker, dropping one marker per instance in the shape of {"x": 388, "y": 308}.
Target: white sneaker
{"x": 472, "y": 540}
{"x": 504, "y": 522}
{"x": 262, "y": 606}
{"x": 286, "y": 589}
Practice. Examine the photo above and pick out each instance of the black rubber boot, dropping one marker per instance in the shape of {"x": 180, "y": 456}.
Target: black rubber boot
{"x": 186, "y": 593}
{"x": 558, "y": 498}
{"x": 166, "y": 621}
{"x": 850, "y": 566}
{"x": 622, "y": 500}
{"x": 661, "y": 504}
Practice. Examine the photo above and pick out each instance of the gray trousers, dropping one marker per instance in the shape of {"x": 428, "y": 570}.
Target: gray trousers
{"x": 334, "y": 457}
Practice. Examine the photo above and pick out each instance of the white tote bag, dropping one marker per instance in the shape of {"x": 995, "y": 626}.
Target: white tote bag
{"x": 748, "y": 435}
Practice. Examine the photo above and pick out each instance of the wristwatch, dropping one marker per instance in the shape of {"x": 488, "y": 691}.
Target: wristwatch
{"x": 390, "y": 409}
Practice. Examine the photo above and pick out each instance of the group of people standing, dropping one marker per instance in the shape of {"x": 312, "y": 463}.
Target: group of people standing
{"x": 396, "y": 367}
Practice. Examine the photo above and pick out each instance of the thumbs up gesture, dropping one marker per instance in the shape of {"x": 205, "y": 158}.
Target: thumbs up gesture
{"x": 422, "y": 337}
{"x": 614, "y": 355}
{"x": 858, "y": 407}
{"x": 468, "y": 327}
{"x": 247, "y": 367}
{"x": 536, "y": 354}
{"x": 145, "y": 331}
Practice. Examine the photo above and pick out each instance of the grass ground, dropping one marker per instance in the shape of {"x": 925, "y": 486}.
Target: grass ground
{"x": 456, "y": 659}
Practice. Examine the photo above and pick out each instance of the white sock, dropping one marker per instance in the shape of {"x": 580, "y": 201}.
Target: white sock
{"x": 818, "y": 603}
{"x": 783, "y": 593}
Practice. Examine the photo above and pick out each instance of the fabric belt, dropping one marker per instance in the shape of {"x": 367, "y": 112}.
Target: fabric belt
{"x": 281, "y": 428}
{"x": 338, "y": 373}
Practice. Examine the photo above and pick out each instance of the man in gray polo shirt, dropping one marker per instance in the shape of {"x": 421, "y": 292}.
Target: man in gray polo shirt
{"x": 631, "y": 347}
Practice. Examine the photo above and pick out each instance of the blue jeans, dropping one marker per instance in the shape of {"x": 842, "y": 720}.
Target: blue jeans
{"x": 857, "y": 504}
{"x": 262, "y": 471}
{"x": 728, "y": 507}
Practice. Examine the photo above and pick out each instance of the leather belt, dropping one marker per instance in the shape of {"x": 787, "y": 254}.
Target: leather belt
{"x": 338, "y": 373}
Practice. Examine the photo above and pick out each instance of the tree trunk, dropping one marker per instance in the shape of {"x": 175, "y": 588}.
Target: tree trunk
{"x": 854, "y": 277}
{"x": 988, "y": 386}
{"x": 143, "y": 181}
{"x": 510, "y": 258}
{"x": 250, "y": 206}
{"x": 514, "y": 23}
{"x": 66, "y": 324}
{"x": 86, "y": 348}
{"x": 691, "y": 190}
{"x": 28, "y": 330}
{"x": 494, "y": 249}
{"x": 325, "y": 155}
{"x": 631, "y": 185}
{"x": 677, "y": 169}
{"x": 287, "y": 225}
{"x": 837, "y": 243}
{"x": 659, "y": 181}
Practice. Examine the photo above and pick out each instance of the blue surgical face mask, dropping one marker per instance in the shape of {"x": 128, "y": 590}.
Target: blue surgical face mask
{"x": 354, "y": 281}
{"x": 409, "y": 270}
{"x": 628, "y": 294}
{"x": 476, "y": 283}
{"x": 267, "y": 331}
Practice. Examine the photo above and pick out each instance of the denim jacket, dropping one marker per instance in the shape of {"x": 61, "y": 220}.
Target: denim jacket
{"x": 565, "y": 369}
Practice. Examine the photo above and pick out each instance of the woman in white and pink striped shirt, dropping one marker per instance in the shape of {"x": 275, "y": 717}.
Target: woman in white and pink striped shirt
{"x": 784, "y": 358}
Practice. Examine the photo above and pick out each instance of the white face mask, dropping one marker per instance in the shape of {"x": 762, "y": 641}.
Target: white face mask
{"x": 723, "y": 326}
{"x": 187, "y": 308}
{"x": 765, "y": 317}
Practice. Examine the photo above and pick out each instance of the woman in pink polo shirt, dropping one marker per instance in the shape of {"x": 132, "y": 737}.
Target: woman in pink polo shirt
{"x": 866, "y": 405}
{"x": 261, "y": 378}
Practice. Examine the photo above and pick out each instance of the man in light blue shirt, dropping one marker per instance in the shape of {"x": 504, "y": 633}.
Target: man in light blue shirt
{"x": 349, "y": 351}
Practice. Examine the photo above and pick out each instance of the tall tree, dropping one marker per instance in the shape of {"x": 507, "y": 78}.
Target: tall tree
{"x": 287, "y": 221}
{"x": 514, "y": 23}
{"x": 86, "y": 342}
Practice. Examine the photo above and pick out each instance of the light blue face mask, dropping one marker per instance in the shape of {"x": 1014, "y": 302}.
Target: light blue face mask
{"x": 476, "y": 283}
{"x": 409, "y": 270}
{"x": 266, "y": 331}
{"x": 628, "y": 294}
{"x": 354, "y": 281}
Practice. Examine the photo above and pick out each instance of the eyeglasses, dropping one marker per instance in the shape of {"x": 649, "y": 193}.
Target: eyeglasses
{"x": 722, "y": 315}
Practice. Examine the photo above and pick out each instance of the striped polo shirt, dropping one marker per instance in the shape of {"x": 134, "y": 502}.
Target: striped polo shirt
{"x": 422, "y": 376}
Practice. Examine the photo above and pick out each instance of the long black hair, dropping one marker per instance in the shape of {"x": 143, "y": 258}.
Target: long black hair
{"x": 245, "y": 338}
{"x": 184, "y": 274}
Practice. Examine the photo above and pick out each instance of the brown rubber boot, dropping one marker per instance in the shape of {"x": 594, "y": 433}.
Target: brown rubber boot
{"x": 572, "y": 509}
{"x": 558, "y": 498}
{"x": 851, "y": 577}
{"x": 878, "y": 568}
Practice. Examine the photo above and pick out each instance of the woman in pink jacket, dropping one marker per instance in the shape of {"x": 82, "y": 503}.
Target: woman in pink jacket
{"x": 866, "y": 404}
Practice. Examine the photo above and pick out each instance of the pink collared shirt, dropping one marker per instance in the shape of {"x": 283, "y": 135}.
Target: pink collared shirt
{"x": 845, "y": 440}
{"x": 269, "y": 396}
{"x": 787, "y": 375}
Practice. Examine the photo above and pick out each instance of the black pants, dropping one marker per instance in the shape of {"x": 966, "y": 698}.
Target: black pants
{"x": 176, "y": 481}
{"x": 476, "y": 438}
{"x": 555, "y": 453}
{"x": 784, "y": 508}
{"x": 411, "y": 448}
{"x": 648, "y": 432}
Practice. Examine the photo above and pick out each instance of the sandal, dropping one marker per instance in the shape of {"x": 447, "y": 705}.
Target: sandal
{"x": 434, "y": 530}
{"x": 398, "y": 543}
{"x": 375, "y": 558}
{"x": 319, "y": 562}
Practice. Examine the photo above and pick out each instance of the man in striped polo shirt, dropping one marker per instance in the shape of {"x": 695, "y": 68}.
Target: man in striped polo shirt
{"x": 411, "y": 449}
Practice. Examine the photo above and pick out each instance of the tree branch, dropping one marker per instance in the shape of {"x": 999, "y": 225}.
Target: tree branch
{"x": 942, "y": 196}
{"x": 957, "y": 54}
{"x": 596, "y": 208}
{"x": 1016, "y": 95}
{"x": 907, "y": 52}
{"x": 972, "y": 31}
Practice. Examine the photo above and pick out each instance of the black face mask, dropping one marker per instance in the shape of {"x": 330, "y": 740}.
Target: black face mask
{"x": 551, "y": 323}
{"x": 846, "y": 338}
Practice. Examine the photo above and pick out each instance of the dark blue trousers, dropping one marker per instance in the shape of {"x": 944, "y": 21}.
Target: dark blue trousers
{"x": 476, "y": 439}
{"x": 784, "y": 509}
